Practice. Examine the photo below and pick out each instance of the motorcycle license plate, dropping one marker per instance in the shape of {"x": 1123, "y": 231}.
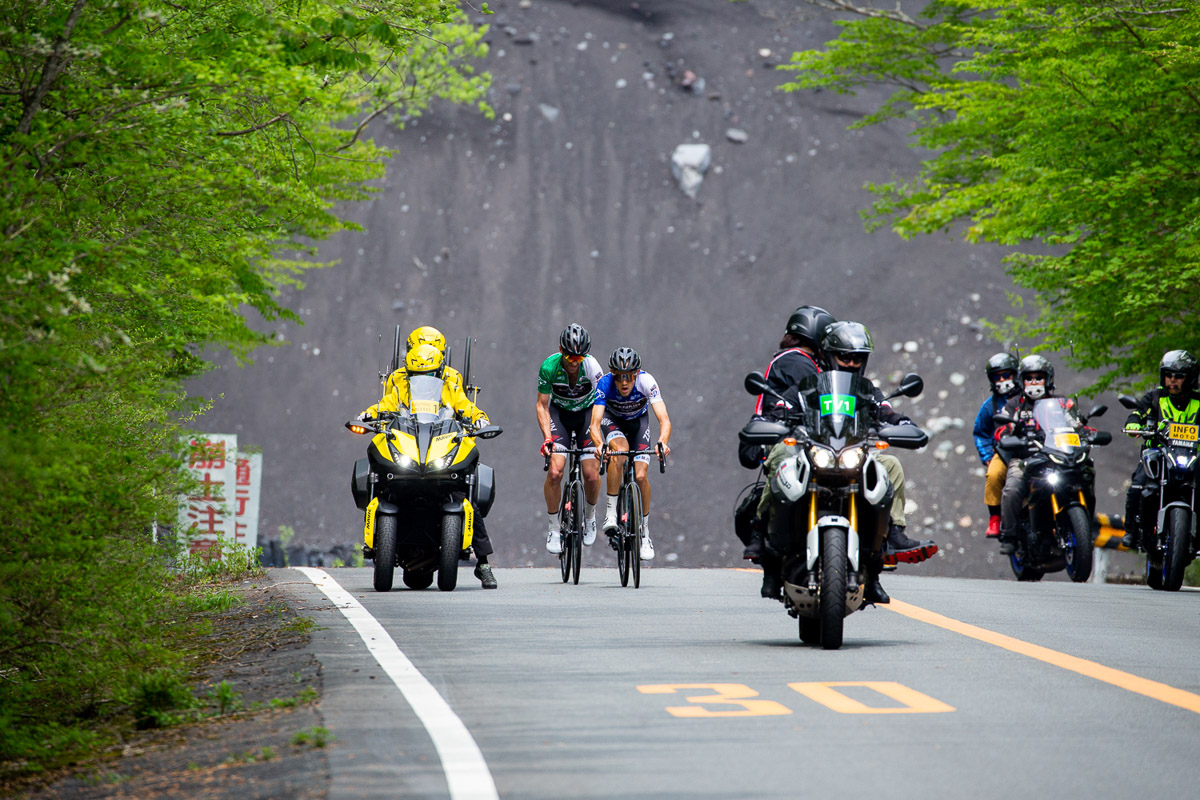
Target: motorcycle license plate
{"x": 1062, "y": 440}
{"x": 1183, "y": 433}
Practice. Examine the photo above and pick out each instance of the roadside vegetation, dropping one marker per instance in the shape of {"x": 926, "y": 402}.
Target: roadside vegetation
{"x": 1064, "y": 131}
{"x": 164, "y": 169}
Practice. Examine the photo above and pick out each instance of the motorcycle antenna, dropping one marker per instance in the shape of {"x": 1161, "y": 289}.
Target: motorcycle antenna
{"x": 379, "y": 364}
{"x": 471, "y": 387}
{"x": 395, "y": 352}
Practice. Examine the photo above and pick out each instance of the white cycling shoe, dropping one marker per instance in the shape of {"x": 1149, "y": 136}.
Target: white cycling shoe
{"x": 647, "y": 552}
{"x": 589, "y": 532}
{"x": 554, "y": 542}
{"x": 610, "y": 523}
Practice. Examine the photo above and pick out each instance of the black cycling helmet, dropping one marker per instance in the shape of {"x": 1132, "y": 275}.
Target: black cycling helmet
{"x": 574, "y": 340}
{"x": 809, "y": 323}
{"x": 847, "y": 339}
{"x": 1001, "y": 362}
{"x": 624, "y": 359}
{"x": 1036, "y": 363}
{"x": 1179, "y": 361}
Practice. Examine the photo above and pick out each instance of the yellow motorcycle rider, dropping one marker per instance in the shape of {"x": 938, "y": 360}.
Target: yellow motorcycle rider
{"x": 426, "y": 357}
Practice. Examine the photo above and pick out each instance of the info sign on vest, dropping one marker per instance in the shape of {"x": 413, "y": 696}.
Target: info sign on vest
{"x": 224, "y": 504}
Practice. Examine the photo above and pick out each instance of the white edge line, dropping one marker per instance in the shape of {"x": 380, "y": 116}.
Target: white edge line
{"x": 467, "y": 774}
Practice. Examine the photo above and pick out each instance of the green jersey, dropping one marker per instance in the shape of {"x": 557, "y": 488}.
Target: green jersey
{"x": 554, "y": 381}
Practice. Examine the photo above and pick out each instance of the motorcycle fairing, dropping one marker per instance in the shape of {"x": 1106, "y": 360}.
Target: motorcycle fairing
{"x": 790, "y": 481}
{"x": 369, "y": 525}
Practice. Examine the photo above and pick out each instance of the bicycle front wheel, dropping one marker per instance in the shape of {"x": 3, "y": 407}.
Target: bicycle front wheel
{"x": 623, "y": 551}
{"x": 635, "y": 528}
{"x": 565, "y": 527}
{"x": 577, "y": 523}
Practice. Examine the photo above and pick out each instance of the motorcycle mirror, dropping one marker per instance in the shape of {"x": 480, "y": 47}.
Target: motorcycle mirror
{"x": 488, "y": 432}
{"x": 1128, "y": 402}
{"x": 1102, "y": 438}
{"x": 911, "y": 385}
{"x": 756, "y": 383}
{"x": 1097, "y": 411}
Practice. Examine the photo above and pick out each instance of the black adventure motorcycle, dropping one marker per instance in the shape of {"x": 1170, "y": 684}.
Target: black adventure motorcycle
{"x": 1169, "y": 499}
{"x": 1055, "y": 529}
{"x": 421, "y": 485}
{"x": 830, "y": 493}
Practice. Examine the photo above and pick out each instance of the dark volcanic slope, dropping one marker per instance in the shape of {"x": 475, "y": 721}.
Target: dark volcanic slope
{"x": 563, "y": 209}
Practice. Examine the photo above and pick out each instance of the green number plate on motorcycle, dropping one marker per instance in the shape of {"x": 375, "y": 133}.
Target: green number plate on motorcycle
{"x": 1183, "y": 433}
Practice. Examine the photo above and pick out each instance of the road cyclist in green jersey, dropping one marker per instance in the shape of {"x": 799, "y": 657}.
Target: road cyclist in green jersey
{"x": 566, "y": 392}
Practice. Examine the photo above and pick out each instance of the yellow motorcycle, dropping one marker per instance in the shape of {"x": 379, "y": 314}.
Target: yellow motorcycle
{"x": 420, "y": 486}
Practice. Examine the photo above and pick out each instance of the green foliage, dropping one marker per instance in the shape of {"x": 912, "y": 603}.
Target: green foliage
{"x": 1064, "y": 130}
{"x": 225, "y": 698}
{"x": 313, "y": 737}
{"x": 1192, "y": 576}
{"x": 165, "y": 169}
{"x": 159, "y": 697}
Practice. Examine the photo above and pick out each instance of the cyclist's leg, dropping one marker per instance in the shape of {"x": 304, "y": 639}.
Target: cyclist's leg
{"x": 552, "y": 489}
{"x": 589, "y": 468}
{"x": 615, "y": 438}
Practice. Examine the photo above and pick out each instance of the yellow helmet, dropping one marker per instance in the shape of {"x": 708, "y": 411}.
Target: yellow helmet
{"x": 427, "y": 335}
{"x": 424, "y": 358}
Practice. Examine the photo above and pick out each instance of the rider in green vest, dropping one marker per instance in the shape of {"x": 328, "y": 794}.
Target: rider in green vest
{"x": 1175, "y": 400}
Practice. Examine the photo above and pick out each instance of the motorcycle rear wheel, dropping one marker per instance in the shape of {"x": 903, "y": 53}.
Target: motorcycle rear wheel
{"x": 1179, "y": 548}
{"x": 832, "y": 612}
{"x": 385, "y": 552}
{"x": 452, "y": 541}
{"x": 1154, "y": 571}
{"x": 1079, "y": 548}
{"x": 810, "y": 630}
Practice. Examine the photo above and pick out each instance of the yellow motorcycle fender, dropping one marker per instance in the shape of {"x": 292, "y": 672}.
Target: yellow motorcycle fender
{"x": 468, "y": 523}
{"x": 369, "y": 526}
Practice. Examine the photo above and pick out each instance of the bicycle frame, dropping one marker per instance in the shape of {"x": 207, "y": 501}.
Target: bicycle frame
{"x": 628, "y": 540}
{"x": 571, "y": 507}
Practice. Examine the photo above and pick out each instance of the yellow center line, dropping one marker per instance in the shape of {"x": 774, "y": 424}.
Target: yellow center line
{"x": 1123, "y": 680}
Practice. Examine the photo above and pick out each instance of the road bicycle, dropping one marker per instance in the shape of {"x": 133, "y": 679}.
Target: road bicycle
{"x": 570, "y": 513}
{"x": 627, "y": 539}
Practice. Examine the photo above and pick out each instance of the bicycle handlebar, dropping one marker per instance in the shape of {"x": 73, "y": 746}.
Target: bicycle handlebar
{"x": 607, "y": 453}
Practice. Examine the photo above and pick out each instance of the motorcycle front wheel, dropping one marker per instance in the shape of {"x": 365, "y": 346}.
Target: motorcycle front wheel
{"x": 1179, "y": 548}
{"x": 385, "y": 552}
{"x": 1079, "y": 544}
{"x": 832, "y": 613}
{"x": 452, "y": 541}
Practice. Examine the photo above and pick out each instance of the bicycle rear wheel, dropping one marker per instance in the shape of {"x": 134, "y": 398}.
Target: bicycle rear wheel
{"x": 623, "y": 551}
{"x": 577, "y": 524}
{"x": 635, "y": 527}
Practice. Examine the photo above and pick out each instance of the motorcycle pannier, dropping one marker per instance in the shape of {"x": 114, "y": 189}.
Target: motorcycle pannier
{"x": 358, "y": 483}
{"x": 483, "y": 490}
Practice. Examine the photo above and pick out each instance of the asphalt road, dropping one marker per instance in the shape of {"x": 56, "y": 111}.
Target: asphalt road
{"x": 563, "y": 209}
{"x": 693, "y": 686}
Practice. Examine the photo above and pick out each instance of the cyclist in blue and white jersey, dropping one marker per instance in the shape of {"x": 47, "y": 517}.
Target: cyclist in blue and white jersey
{"x": 620, "y": 416}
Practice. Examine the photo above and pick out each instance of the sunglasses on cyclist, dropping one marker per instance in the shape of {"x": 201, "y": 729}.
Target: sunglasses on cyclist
{"x": 574, "y": 359}
{"x": 624, "y": 377}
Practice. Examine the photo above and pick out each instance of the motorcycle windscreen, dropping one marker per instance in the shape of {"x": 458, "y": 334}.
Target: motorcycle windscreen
{"x": 425, "y": 397}
{"x": 1058, "y": 425}
{"x": 837, "y": 406}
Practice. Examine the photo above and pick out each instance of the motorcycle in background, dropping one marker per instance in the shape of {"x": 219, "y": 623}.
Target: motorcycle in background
{"x": 1055, "y": 529}
{"x": 1169, "y": 500}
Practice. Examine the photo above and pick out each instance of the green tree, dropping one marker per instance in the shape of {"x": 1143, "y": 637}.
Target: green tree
{"x": 164, "y": 168}
{"x": 1067, "y": 131}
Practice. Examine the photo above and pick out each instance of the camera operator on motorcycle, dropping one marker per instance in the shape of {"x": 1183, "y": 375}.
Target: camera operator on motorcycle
{"x": 426, "y": 357}
{"x": 799, "y": 356}
{"x": 566, "y": 393}
{"x": 1175, "y": 400}
{"x": 1001, "y": 370}
{"x": 620, "y": 420}
{"x": 1036, "y": 376}
{"x": 848, "y": 345}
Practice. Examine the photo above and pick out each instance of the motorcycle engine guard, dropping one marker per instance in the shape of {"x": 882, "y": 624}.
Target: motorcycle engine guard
{"x": 874, "y": 482}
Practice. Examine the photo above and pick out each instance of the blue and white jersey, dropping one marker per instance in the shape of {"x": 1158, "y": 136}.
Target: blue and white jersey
{"x": 644, "y": 393}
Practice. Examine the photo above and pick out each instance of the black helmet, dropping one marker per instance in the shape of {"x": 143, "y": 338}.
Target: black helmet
{"x": 1001, "y": 362}
{"x": 624, "y": 359}
{"x": 1179, "y": 361}
{"x": 809, "y": 323}
{"x": 845, "y": 339}
{"x": 1036, "y": 363}
{"x": 574, "y": 340}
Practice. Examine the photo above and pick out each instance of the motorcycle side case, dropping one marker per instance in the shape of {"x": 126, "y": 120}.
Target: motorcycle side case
{"x": 359, "y": 483}
{"x": 483, "y": 489}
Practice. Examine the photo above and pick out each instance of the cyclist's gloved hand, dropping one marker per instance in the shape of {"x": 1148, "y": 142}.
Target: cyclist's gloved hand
{"x": 547, "y": 447}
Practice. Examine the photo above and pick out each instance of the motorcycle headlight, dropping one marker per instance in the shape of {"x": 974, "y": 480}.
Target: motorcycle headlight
{"x": 1184, "y": 461}
{"x": 851, "y": 459}
{"x": 1053, "y": 479}
{"x": 821, "y": 457}
{"x": 405, "y": 462}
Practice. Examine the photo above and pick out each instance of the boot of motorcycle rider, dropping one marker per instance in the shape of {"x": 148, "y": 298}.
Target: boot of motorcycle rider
{"x": 482, "y": 545}
{"x": 1010, "y": 507}
{"x": 1133, "y": 510}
